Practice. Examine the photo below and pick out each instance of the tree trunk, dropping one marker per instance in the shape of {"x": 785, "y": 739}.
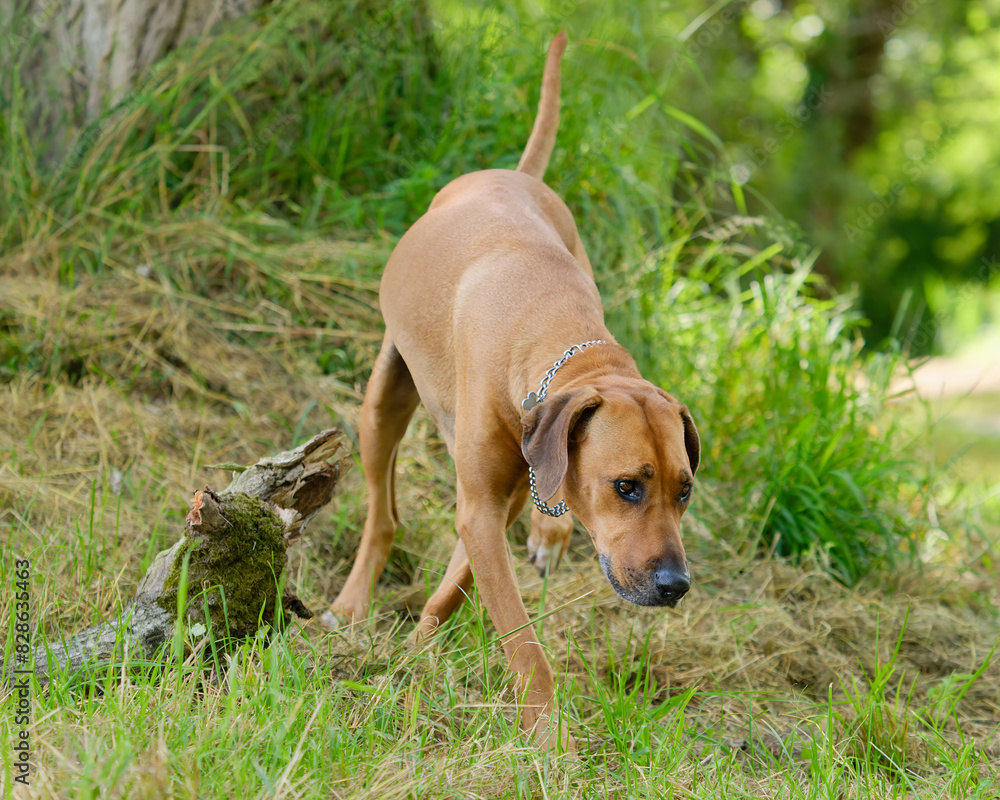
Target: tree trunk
{"x": 91, "y": 52}
{"x": 235, "y": 540}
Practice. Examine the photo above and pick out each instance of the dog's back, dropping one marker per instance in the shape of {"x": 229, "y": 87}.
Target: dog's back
{"x": 497, "y": 234}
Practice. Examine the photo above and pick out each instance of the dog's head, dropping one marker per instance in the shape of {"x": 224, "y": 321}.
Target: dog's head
{"x": 625, "y": 454}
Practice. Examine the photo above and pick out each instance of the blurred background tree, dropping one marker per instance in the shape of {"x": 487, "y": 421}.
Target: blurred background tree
{"x": 874, "y": 126}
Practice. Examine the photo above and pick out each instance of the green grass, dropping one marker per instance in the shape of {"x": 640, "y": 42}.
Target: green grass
{"x": 358, "y": 714}
{"x": 313, "y": 714}
{"x": 196, "y": 283}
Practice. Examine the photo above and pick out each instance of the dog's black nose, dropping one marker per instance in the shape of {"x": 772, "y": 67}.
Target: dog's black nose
{"x": 671, "y": 585}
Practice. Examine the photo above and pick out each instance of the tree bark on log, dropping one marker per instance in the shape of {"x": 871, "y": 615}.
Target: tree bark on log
{"x": 227, "y": 565}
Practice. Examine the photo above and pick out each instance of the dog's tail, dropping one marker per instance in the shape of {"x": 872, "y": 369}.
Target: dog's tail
{"x": 543, "y": 135}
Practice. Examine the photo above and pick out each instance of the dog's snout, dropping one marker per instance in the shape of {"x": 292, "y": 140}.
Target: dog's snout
{"x": 671, "y": 584}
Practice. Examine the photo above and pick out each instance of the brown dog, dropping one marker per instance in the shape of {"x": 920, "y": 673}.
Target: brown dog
{"x": 480, "y": 297}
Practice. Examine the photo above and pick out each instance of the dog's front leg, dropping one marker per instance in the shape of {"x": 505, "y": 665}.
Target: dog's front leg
{"x": 481, "y": 521}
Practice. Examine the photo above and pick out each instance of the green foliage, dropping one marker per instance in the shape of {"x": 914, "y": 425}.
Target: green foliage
{"x": 773, "y": 372}
{"x": 260, "y": 93}
{"x": 864, "y": 121}
{"x": 880, "y": 728}
{"x": 879, "y": 716}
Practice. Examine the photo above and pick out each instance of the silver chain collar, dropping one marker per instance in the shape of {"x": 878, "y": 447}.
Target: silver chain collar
{"x": 532, "y": 400}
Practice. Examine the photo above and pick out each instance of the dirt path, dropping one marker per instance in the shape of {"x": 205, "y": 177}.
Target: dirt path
{"x": 964, "y": 394}
{"x": 954, "y": 376}
{"x": 966, "y": 388}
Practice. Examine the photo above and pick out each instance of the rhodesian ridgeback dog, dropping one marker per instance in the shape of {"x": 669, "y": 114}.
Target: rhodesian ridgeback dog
{"x": 494, "y": 322}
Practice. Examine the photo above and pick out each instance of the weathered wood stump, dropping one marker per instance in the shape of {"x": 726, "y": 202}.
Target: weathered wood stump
{"x": 227, "y": 565}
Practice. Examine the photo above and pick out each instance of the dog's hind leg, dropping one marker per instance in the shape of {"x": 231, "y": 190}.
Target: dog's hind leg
{"x": 390, "y": 400}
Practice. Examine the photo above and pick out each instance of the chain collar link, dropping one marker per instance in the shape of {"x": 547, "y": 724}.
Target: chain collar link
{"x": 532, "y": 400}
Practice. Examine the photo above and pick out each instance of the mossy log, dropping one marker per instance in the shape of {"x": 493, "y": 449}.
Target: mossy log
{"x": 229, "y": 562}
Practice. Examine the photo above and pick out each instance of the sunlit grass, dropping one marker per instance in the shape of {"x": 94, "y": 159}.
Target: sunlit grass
{"x": 712, "y": 701}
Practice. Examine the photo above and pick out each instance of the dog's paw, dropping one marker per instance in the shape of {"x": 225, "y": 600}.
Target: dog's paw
{"x": 553, "y": 738}
{"x": 544, "y": 558}
{"x": 330, "y": 621}
{"x": 338, "y": 617}
{"x": 423, "y": 633}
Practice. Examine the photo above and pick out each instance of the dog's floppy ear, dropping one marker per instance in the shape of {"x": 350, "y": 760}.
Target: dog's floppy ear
{"x": 546, "y": 436}
{"x": 692, "y": 442}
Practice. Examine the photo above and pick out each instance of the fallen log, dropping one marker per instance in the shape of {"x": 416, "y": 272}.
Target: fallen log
{"x": 227, "y": 565}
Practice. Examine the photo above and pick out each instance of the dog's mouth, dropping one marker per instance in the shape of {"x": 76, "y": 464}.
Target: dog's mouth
{"x": 642, "y": 593}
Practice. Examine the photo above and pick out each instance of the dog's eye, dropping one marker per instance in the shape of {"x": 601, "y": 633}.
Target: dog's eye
{"x": 686, "y": 492}
{"x": 628, "y": 490}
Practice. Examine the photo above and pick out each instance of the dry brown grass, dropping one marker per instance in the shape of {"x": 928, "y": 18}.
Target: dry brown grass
{"x": 128, "y": 385}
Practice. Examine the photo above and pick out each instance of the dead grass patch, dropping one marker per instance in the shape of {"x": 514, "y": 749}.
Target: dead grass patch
{"x": 125, "y": 386}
